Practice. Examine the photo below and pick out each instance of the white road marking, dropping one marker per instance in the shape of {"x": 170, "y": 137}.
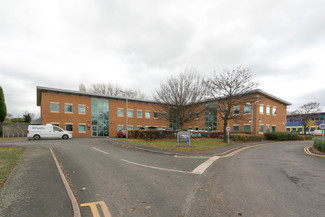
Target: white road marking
{"x": 152, "y": 167}
{"x": 202, "y": 167}
{"x": 100, "y": 150}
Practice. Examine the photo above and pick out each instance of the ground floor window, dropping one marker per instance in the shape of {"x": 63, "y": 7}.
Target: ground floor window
{"x": 235, "y": 128}
{"x": 130, "y": 127}
{"x": 261, "y": 129}
{"x": 267, "y": 129}
{"x": 120, "y": 127}
{"x": 69, "y": 127}
{"x": 274, "y": 129}
{"x": 82, "y": 128}
{"x": 247, "y": 128}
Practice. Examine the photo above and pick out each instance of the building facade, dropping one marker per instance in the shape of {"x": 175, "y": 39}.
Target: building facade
{"x": 295, "y": 125}
{"x": 92, "y": 115}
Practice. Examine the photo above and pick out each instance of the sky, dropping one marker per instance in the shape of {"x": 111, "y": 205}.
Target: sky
{"x": 140, "y": 44}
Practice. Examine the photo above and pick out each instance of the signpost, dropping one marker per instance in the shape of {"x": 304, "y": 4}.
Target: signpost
{"x": 322, "y": 127}
{"x": 228, "y": 129}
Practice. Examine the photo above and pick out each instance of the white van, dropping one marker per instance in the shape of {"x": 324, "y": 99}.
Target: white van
{"x": 47, "y": 131}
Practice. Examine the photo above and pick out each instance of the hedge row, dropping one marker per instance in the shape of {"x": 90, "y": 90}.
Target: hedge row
{"x": 319, "y": 145}
{"x": 169, "y": 134}
{"x": 284, "y": 136}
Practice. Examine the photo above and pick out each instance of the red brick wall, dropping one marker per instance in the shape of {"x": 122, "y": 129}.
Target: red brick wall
{"x": 63, "y": 118}
{"x": 134, "y": 121}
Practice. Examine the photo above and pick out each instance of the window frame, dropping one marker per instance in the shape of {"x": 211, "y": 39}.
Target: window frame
{"x": 65, "y": 108}
{"x": 81, "y": 105}
{"x": 155, "y": 112}
{"x": 140, "y": 110}
{"x": 250, "y": 109}
{"x": 259, "y": 109}
{"x": 82, "y": 124}
{"x": 118, "y": 127}
{"x": 55, "y": 103}
{"x": 129, "y": 116}
{"x": 237, "y": 108}
{"x": 268, "y": 110}
{"x": 274, "y": 110}
{"x": 233, "y": 128}
{"x": 248, "y": 125}
{"x": 120, "y": 109}
{"x": 259, "y": 129}
{"x": 147, "y": 112}
{"x": 162, "y": 116}
{"x": 65, "y": 127}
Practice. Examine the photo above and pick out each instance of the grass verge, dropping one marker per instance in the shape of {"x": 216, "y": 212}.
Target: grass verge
{"x": 197, "y": 145}
{"x": 9, "y": 157}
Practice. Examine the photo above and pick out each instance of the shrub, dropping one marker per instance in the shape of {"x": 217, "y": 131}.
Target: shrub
{"x": 285, "y": 136}
{"x": 319, "y": 145}
{"x": 151, "y": 134}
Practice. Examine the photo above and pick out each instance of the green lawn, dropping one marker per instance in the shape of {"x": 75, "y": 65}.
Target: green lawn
{"x": 9, "y": 157}
{"x": 197, "y": 145}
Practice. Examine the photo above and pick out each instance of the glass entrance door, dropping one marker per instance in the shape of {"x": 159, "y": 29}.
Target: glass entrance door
{"x": 94, "y": 131}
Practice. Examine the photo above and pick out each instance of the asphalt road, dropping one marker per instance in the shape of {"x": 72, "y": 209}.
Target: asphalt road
{"x": 271, "y": 180}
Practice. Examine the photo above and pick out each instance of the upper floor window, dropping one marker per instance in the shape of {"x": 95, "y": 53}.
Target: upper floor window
{"x": 268, "y": 110}
{"x": 155, "y": 115}
{"x": 163, "y": 116}
{"x": 147, "y": 114}
{"x": 235, "y": 128}
{"x": 247, "y": 109}
{"x": 274, "y": 111}
{"x": 81, "y": 109}
{"x": 130, "y": 113}
{"x": 196, "y": 115}
{"x": 236, "y": 110}
{"x": 54, "y": 107}
{"x": 261, "y": 109}
{"x": 139, "y": 113}
{"x": 120, "y": 112}
{"x": 68, "y": 108}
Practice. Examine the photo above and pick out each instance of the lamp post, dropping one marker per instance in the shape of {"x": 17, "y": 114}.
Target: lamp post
{"x": 252, "y": 106}
{"x": 126, "y": 99}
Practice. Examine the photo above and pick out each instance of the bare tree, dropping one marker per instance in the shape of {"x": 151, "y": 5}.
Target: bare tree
{"x": 231, "y": 88}
{"x": 303, "y": 113}
{"x": 112, "y": 90}
{"x": 182, "y": 97}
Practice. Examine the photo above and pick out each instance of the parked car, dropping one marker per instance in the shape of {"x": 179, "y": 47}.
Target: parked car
{"x": 47, "y": 131}
{"x": 121, "y": 133}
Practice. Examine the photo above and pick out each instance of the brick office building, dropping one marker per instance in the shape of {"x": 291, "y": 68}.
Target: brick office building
{"x": 89, "y": 114}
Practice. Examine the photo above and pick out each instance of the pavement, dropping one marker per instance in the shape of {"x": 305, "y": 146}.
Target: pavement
{"x": 35, "y": 187}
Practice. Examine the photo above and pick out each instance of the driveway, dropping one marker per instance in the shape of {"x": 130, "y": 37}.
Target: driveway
{"x": 277, "y": 179}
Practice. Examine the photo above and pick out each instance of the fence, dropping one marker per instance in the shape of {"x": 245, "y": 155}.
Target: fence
{"x": 13, "y": 129}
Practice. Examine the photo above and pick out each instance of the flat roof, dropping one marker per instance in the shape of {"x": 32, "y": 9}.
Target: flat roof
{"x": 40, "y": 89}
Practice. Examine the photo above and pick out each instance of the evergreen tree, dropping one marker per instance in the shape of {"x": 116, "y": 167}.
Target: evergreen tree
{"x": 3, "y": 108}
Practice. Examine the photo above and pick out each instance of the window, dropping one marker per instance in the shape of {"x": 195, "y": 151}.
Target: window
{"x": 82, "y": 128}
{"x": 261, "y": 129}
{"x": 267, "y": 128}
{"x": 261, "y": 109}
{"x": 247, "y": 128}
{"x": 55, "y": 124}
{"x": 274, "y": 111}
{"x": 69, "y": 127}
{"x": 120, "y": 127}
{"x": 196, "y": 115}
{"x": 155, "y": 115}
{"x": 273, "y": 128}
{"x": 247, "y": 109}
{"x": 235, "y": 128}
{"x": 147, "y": 114}
{"x": 163, "y": 128}
{"x": 130, "y": 127}
{"x": 139, "y": 113}
{"x": 163, "y": 116}
{"x": 54, "y": 107}
{"x": 120, "y": 112}
{"x": 236, "y": 110}
{"x": 130, "y": 113}
{"x": 81, "y": 109}
{"x": 196, "y": 128}
{"x": 138, "y": 127}
{"x": 268, "y": 110}
{"x": 190, "y": 128}
{"x": 68, "y": 108}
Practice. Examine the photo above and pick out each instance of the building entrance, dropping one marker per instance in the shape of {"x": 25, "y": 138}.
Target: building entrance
{"x": 99, "y": 117}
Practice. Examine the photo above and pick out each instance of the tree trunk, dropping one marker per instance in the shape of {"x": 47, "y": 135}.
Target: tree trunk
{"x": 224, "y": 130}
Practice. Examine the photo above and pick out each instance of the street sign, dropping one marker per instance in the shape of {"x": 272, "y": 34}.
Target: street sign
{"x": 321, "y": 126}
{"x": 228, "y": 128}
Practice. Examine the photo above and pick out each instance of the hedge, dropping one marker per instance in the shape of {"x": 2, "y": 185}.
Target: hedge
{"x": 284, "y": 136}
{"x": 319, "y": 145}
{"x": 169, "y": 134}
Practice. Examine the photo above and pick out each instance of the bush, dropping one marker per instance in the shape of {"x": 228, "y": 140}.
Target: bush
{"x": 319, "y": 145}
{"x": 285, "y": 136}
{"x": 151, "y": 134}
